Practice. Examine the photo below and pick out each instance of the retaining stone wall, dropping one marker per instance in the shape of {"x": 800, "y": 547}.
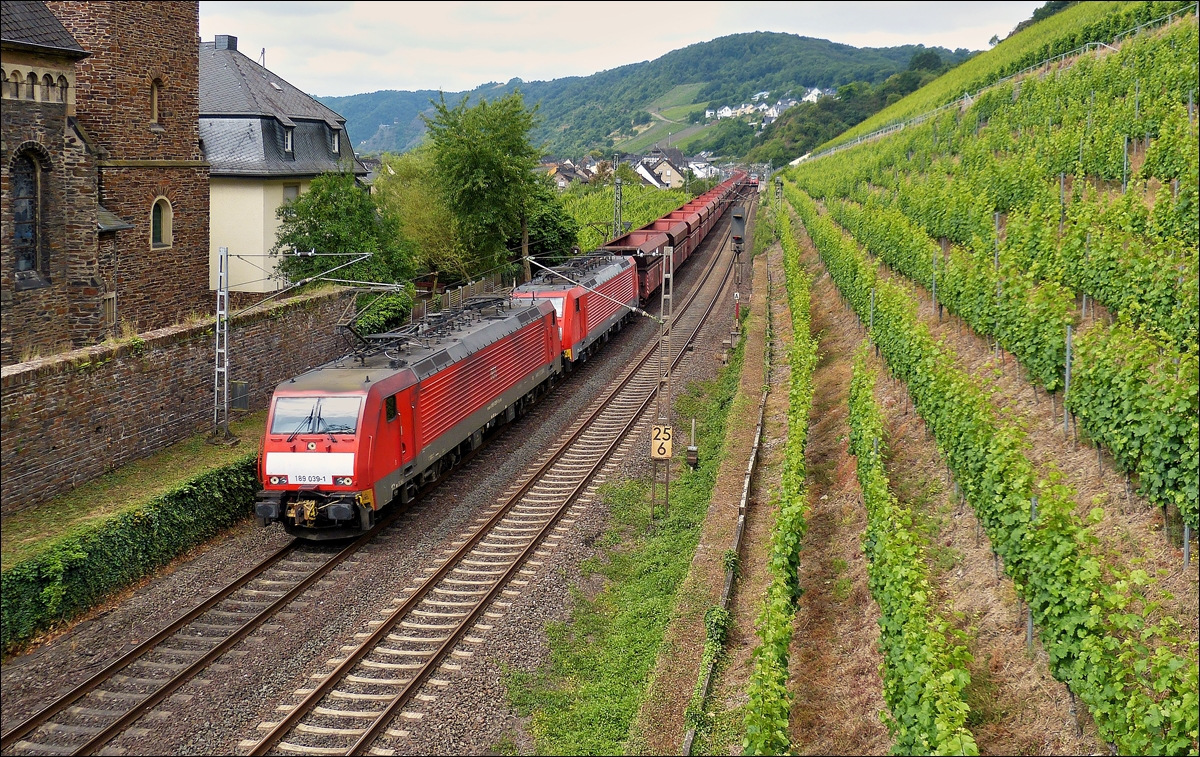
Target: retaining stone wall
{"x": 69, "y": 418}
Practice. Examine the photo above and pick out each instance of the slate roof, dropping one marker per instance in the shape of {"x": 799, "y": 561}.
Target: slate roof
{"x": 29, "y": 25}
{"x": 244, "y": 111}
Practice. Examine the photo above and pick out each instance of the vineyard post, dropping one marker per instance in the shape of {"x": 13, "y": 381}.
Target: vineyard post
{"x": 1137, "y": 95}
{"x": 1029, "y": 607}
{"x": 871, "y": 327}
{"x": 1125, "y": 167}
{"x": 1187, "y": 544}
{"x": 1067, "y": 386}
{"x": 996, "y": 222}
{"x": 1062, "y": 200}
{"x": 935, "y": 299}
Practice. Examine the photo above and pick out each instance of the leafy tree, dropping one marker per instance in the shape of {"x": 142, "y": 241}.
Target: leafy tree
{"x": 406, "y": 189}
{"x": 483, "y": 167}
{"x": 730, "y": 137}
{"x": 338, "y": 217}
{"x": 925, "y": 60}
{"x": 552, "y": 230}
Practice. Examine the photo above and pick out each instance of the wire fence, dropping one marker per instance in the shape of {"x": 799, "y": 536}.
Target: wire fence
{"x": 453, "y": 298}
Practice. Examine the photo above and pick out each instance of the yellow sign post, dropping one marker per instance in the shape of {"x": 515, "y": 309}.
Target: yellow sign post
{"x": 660, "y": 443}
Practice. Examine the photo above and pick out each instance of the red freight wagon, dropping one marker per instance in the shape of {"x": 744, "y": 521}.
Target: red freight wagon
{"x": 592, "y": 296}
{"x": 345, "y": 439}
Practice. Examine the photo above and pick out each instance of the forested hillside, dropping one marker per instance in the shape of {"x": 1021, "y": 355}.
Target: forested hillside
{"x": 579, "y": 113}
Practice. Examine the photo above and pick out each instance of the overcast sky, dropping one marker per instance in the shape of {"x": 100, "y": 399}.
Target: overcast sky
{"x": 344, "y": 48}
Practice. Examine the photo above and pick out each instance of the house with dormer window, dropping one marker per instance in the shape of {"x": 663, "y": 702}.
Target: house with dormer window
{"x": 265, "y": 141}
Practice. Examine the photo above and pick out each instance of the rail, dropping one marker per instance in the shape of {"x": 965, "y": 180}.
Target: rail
{"x": 467, "y": 613}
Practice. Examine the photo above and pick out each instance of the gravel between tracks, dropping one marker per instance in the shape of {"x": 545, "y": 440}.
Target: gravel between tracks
{"x": 212, "y": 714}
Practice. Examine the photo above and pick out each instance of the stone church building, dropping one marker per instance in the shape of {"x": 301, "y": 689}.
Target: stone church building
{"x": 104, "y": 222}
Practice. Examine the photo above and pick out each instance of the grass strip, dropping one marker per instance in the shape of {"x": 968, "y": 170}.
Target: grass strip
{"x": 584, "y": 699}
{"x": 74, "y": 572}
{"x": 30, "y": 530}
{"x": 924, "y": 666}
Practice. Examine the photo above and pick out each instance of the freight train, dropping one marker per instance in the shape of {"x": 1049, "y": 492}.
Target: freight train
{"x": 351, "y": 437}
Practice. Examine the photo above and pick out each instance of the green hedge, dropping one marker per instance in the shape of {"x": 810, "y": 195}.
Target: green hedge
{"x": 81, "y": 568}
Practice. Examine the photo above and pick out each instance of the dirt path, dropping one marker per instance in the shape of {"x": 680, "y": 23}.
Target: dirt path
{"x": 834, "y": 656}
{"x": 1131, "y": 535}
{"x": 659, "y": 727}
{"x": 1017, "y": 706}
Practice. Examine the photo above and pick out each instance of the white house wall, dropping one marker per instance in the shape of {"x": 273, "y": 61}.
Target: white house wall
{"x": 242, "y": 218}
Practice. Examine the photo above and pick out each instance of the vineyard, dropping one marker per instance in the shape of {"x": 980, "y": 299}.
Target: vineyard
{"x": 1055, "y": 218}
{"x": 1056, "y": 201}
{"x": 769, "y": 698}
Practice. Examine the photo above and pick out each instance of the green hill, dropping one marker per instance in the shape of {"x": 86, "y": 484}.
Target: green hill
{"x": 1063, "y": 32}
{"x": 585, "y": 112}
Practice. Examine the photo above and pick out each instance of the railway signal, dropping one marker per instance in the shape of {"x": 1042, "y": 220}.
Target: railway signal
{"x": 663, "y": 393}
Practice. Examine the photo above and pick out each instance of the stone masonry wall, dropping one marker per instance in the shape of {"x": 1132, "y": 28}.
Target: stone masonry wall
{"x": 157, "y": 286}
{"x": 66, "y": 309}
{"x": 67, "y": 419}
{"x": 132, "y": 45}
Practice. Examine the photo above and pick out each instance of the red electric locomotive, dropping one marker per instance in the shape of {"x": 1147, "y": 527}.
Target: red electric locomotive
{"x": 345, "y": 439}
{"x": 593, "y": 295}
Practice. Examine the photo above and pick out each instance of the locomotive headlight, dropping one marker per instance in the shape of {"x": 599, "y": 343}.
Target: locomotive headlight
{"x": 276, "y": 480}
{"x": 343, "y": 481}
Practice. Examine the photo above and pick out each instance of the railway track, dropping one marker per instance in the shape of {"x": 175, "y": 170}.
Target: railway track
{"x": 100, "y": 708}
{"x": 433, "y": 617}
{"x": 352, "y": 705}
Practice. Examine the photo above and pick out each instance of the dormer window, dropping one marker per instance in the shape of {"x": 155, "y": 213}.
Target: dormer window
{"x": 334, "y": 141}
{"x": 287, "y": 138}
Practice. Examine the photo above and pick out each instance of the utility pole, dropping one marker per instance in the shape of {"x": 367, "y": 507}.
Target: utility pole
{"x": 525, "y": 247}
{"x": 220, "y": 433}
{"x": 660, "y": 437}
{"x": 617, "y": 228}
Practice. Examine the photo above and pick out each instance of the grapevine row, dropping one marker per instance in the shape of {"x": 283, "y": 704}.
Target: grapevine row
{"x": 769, "y": 705}
{"x": 1131, "y": 394}
{"x": 1136, "y": 676}
{"x": 1026, "y": 150}
{"x": 1061, "y": 34}
{"x": 592, "y": 209}
{"x": 924, "y": 665}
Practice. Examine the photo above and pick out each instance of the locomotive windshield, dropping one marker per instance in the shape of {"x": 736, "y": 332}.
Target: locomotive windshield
{"x": 316, "y": 415}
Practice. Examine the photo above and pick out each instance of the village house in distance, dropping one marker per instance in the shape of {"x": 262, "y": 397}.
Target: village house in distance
{"x": 265, "y": 141}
